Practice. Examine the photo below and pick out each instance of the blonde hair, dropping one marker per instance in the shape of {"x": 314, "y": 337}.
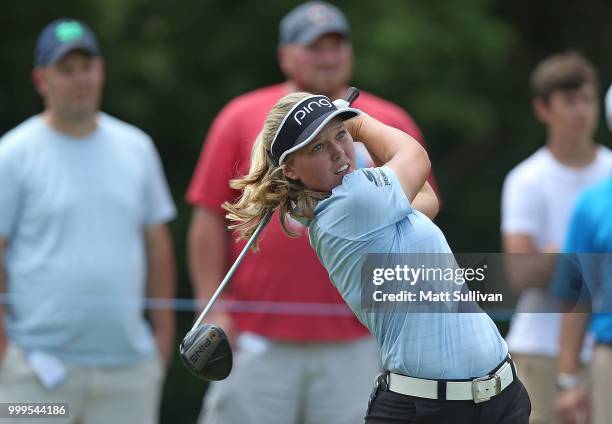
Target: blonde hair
{"x": 266, "y": 187}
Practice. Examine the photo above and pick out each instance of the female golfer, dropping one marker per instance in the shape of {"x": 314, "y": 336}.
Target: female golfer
{"x": 440, "y": 367}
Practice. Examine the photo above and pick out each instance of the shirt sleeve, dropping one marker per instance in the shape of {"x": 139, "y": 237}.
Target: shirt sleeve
{"x": 520, "y": 210}
{"x": 366, "y": 201}
{"x": 608, "y": 103}
{"x": 217, "y": 165}
{"x": 159, "y": 204}
{"x": 9, "y": 193}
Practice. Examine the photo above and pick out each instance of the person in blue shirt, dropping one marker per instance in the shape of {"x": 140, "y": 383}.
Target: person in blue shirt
{"x": 584, "y": 280}
{"x": 84, "y": 237}
{"x": 439, "y": 366}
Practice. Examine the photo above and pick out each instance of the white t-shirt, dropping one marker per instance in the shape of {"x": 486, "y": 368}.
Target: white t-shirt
{"x": 538, "y": 199}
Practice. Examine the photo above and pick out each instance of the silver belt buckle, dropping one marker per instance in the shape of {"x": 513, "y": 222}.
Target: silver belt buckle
{"x": 486, "y": 395}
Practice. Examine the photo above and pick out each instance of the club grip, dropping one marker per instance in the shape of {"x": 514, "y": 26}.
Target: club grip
{"x": 351, "y": 95}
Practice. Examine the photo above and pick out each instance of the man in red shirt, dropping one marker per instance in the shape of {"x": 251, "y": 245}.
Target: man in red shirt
{"x": 300, "y": 354}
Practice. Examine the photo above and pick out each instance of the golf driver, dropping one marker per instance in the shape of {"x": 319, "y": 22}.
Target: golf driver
{"x": 205, "y": 350}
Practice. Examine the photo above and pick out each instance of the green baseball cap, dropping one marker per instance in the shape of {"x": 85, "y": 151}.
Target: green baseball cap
{"x": 62, "y": 36}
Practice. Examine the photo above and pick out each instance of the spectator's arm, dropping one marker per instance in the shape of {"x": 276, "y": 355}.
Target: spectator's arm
{"x": 579, "y": 238}
{"x": 161, "y": 284}
{"x": 527, "y": 263}
{"x": 208, "y": 246}
{"x": 527, "y": 266}
{"x": 573, "y": 329}
{"x": 572, "y": 402}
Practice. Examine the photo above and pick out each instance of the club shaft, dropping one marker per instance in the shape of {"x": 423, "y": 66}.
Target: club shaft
{"x": 230, "y": 273}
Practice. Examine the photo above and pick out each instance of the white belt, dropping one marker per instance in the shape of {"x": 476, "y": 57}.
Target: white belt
{"x": 478, "y": 390}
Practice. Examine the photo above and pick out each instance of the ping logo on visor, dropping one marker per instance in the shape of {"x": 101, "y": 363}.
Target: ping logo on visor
{"x": 302, "y": 124}
{"x": 303, "y": 111}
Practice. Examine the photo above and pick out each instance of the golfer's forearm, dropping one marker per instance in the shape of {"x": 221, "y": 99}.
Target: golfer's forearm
{"x": 423, "y": 201}
{"x": 399, "y": 151}
{"x": 385, "y": 142}
{"x": 208, "y": 245}
{"x": 375, "y": 160}
{"x": 426, "y": 201}
{"x": 573, "y": 330}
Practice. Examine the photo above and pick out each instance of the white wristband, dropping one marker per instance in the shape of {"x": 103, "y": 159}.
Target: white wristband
{"x": 568, "y": 381}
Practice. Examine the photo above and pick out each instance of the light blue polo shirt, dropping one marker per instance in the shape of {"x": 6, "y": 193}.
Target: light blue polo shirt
{"x": 369, "y": 213}
{"x": 74, "y": 213}
{"x": 588, "y": 246}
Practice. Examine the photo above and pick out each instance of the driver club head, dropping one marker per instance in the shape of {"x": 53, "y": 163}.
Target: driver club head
{"x": 206, "y": 352}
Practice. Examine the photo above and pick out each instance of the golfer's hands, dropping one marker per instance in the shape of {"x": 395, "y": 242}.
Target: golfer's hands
{"x": 573, "y": 406}
{"x": 225, "y": 321}
{"x": 353, "y": 126}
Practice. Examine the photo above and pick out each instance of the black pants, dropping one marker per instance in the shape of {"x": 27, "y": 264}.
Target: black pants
{"x": 512, "y": 406}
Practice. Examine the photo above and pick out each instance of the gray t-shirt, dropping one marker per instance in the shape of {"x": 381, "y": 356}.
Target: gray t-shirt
{"x": 74, "y": 211}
